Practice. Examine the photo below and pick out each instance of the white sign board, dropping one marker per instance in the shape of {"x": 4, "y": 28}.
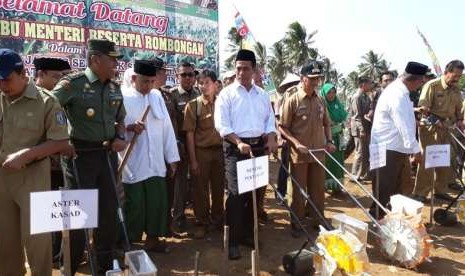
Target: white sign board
{"x": 63, "y": 210}
{"x": 437, "y": 156}
{"x": 377, "y": 156}
{"x": 252, "y": 174}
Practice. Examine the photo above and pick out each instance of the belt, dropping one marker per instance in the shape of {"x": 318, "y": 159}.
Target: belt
{"x": 252, "y": 140}
{"x": 82, "y": 145}
{"x": 214, "y": 147}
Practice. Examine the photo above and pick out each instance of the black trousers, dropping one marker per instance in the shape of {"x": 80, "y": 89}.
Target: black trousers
{"x": 239, "y": 207}
{"x": 389, "y": 179}
{"x": 94, "y": 173}
{"x": 282, "y": 175}
{"x": 57, "y": 182}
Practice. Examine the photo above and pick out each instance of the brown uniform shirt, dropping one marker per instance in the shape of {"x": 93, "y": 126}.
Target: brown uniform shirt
{"x": 30, "y": 120}
{"x": 359, "y": 107}
{"x": 202, "y": 122}
{"x": 180, "y": 98}
{"x": 167, "y": 98}
{"x": 443, "y": 101}
{"x": 305, "y": 117}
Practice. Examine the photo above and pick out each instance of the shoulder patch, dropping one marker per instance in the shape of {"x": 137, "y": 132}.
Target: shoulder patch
{"x": 60, "y": 118}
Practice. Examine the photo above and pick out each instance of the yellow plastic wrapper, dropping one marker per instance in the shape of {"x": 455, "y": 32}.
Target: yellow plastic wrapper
{"x": 346, "y": 250}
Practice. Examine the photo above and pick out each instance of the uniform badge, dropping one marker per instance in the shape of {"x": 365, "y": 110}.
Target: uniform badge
{"x": 90, "y": 112}
{"x": 87, "y": 88}
{"x": 304, "y": 117}
{"x": 112, "y": 87}
{"x": 60, "y": 118}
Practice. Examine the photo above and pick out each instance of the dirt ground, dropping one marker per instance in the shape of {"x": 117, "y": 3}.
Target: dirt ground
{"x": 447, "y": 253}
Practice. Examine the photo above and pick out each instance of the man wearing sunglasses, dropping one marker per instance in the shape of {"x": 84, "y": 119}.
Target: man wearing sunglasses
{"x": 183, "y": 93}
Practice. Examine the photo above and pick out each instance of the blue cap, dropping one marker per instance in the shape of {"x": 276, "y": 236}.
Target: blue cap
{"x": 9, "y": 60}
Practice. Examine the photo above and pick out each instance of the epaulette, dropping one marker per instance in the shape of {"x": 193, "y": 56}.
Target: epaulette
{"x": 174, "y": 89}
{"x": 74, "y": 75}
{"x": 293, "y": 89}
{"x": 115, "y": 82}
{"x": 44, "y": 91}
{"x": 434, "y": 82}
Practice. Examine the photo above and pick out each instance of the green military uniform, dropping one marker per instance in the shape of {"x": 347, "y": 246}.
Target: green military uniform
{"x": 25, "y": 122}
{"x": 180, "y": 98}
{"x": 93, "y": 109}
{"x": 446, "y": 103}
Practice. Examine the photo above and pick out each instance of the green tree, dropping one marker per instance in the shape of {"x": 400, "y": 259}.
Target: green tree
{"x": 330, "y": 72}
{"x": 298, "y": 45}
{"x": 234, "y": 44}
{"x": 373, "y": 65}
{"x": 277, "y": 62}
{"x": 260, "y": 54}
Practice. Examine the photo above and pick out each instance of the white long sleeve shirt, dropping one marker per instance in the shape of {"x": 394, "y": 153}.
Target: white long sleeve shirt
{"x": 245, "y": 113}
{"x": 156, "y": 144}
{"x": 394, "y": 121}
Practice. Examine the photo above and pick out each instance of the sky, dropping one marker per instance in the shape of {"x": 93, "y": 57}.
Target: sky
{"x": 347, "y": 29}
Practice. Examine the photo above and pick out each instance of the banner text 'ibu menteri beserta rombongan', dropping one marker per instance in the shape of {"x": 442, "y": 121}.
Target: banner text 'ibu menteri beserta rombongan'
{"x": 175, "y": 31}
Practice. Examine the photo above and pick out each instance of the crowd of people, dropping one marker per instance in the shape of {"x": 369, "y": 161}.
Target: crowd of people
{"x": 170, "y": 147}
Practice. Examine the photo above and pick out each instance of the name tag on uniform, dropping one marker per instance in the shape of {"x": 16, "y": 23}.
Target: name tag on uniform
{"x": 208, "y": 115}
{"x": 182, "y": 103}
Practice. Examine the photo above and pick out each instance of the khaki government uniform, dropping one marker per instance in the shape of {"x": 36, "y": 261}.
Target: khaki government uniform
{"x": 305, "y": 117}
{"x": 30, "y": 120}
{"x": 199, "y": 118}
{"x": 170, "y": 181}
{"x": 180, "y": 98}
{"x": 446, "y": 103}
{"x": 360, "y": 106}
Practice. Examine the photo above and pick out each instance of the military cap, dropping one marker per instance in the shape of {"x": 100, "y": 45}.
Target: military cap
{"x": 10, "y": 61}
{"x": 103, "y": 46}
{"x": 54, "y": 64}
{"x": 416, "y": 68}
{"x": 311, "y": 70}
{"x": 246, "y": 55}
{"x": 145, "y": 67}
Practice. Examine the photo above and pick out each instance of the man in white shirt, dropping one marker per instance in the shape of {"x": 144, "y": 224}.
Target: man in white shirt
{"x": 144, "y": 174}
{"x": 245, "y": 119}
{"x": 394, "y": 125}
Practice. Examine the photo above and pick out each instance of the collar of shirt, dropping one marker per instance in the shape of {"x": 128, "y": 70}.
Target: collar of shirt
{"x": 301, "y": 94}
{"x": 90, "y": 75}
{"x": 401, "y": 87}
{"x": 237, "y": 86}
{"x": 184, "y": 91}
{"x": 205, "y": 101}
{"x": 31, "y": 90}
{"x": 443, "y": 83}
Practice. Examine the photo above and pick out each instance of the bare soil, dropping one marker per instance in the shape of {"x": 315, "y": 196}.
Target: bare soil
{"x": 447, "y": 253}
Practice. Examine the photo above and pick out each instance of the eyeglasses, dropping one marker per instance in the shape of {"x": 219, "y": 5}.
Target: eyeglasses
{"x": 187, "y": 75}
